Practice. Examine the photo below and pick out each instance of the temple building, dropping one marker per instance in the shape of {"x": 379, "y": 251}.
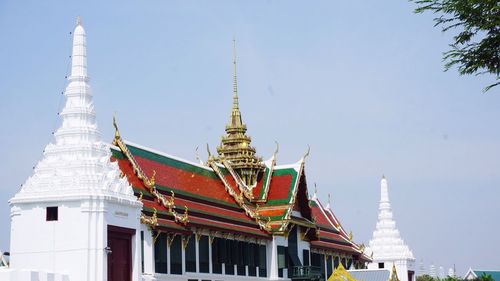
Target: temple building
{"x": 122, "y": 211}
{"x": 386, "y": 248}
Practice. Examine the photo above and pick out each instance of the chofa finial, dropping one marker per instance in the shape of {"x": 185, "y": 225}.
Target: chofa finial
{"x": 277, "y": 148}
{"x": 307, "y": 153}
{"x": 117, "y": 132}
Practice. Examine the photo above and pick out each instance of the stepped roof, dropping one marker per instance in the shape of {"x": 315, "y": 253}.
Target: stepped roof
{"x": 196, "y": 193}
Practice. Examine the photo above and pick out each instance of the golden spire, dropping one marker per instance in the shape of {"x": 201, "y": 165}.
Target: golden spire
{"x": 235, "y": 82}
{"x": 235, "y": 145}
{"x": 235, "y": 112}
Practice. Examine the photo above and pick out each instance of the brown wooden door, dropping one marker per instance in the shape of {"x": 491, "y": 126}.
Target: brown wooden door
{"x": 120, "y": 256}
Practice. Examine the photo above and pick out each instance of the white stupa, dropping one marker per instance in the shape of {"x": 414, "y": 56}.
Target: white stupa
{"x": 386, "y": 245}
{"x": 77, "y": 163}
{"x": 451, "y": 272}
{"x": 441, "y": 272}
{"x": 432, "y": 270}
{"x": 63, "y": 214}
{"x": 421, "y": 268}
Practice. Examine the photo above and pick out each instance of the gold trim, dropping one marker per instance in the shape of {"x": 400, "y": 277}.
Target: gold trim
{"x": 170, "y": 238}
{"x": 149, "y": 182}
{"x": 155, "y": 237}
{"x": 151, "y": 221}
{"x": 185, "y": 241}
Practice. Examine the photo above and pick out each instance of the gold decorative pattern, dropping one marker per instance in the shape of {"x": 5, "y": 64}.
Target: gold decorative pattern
{"x": 270, "y": 177}
{"x": 394, "y": 274}
{"x": 151, "y": 221}
{"x": 170, "y": 238}
{"x": 149, "y": 182}
{"x": 341, "y": 274}
{"x": 249, "y": 211}
{"x": 185, "y": 241}
{"x": 287, "y": 218}
{"x": 155, "y": 237}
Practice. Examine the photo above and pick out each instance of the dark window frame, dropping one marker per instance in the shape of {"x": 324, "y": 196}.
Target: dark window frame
{"x": 176, "y": 262}
{"x": 190, "y": 254}
{"x": 204, "y": 254}
{"x": 52, "y": 213}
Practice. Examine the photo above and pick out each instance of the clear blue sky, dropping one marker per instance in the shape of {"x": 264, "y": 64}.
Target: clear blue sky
{"x": 360, "y": 81}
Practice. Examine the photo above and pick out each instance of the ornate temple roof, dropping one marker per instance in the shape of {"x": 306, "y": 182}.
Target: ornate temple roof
{"x": 386, "y": 244}
{"x": 234, "y": 192}
{"x": 77, "y": 162}
{"x": 198, "y": 189}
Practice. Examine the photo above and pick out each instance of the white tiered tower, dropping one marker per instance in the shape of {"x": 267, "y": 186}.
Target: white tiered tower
{"x": 386, "y": 245}
{"x": 61, "y": 217}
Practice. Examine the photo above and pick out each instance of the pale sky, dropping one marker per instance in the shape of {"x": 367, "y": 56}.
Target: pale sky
{"x": 361, "y": 82}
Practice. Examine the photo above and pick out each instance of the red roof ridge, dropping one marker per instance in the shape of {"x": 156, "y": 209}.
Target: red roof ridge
{"x": 127, "y": 142}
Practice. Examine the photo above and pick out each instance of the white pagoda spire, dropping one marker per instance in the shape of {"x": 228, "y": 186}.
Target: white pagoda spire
{"x": 78, "y": 161}
{"x": 386, "y": 243}
{"x": 386, "y": 247}
{"x": 432, "y": 270}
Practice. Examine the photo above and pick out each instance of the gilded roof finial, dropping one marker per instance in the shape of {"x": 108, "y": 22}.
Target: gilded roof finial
{"x": 117, "y": 132}
{"x": 235, "y": 146}
{"x": 235, "y": 82}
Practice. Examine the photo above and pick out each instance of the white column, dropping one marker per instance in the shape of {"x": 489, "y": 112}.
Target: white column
{"x": 209, "y": 255}
{"x": 168, "y": 258}
{"x": 197, "y": 245}
{"x": 272, "y": 259}
{"x": 149, "y": 255}
{"x": 183, "y": 256}
{"x": 136, "y": 256}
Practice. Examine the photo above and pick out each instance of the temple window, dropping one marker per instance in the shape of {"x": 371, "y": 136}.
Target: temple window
{"x": 203, "y": 250}
{"x": 142, "y": 251}
{"x": 282, "y": 260}
{"x": 176, "y": 255}
{"x": 305, "y": 257}
{"x": 161, "y": 257}
{"x": 191, "y": 254}
{"x": 262, "y": 261}
{"x": 52, "y": 214}
{"x": 218, "y": 255}
{"x": 329, "y": 269}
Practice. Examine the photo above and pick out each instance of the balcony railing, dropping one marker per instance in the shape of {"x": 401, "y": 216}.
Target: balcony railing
{"x": 305, "y": 273}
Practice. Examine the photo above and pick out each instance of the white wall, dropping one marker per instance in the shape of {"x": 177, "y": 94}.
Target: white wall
{"x": 74, "y": 244}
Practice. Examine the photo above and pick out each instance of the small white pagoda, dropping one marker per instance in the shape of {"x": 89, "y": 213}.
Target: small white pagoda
{"x": 386, "y": 246}
{"x": 66, "y": 215}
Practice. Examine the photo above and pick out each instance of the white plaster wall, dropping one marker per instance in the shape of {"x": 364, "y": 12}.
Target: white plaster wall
{"x": 402, "y": 267}
{"x": 74, "y": 244}
{"x": 201, "y": 276}
{"x": 301, "y": 246}
{"x": 55, "y": 246}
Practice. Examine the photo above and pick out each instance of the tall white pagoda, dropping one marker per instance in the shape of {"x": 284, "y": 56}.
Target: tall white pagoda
{"x": 64, "y": 215}
{"x": 386, "y": 246}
